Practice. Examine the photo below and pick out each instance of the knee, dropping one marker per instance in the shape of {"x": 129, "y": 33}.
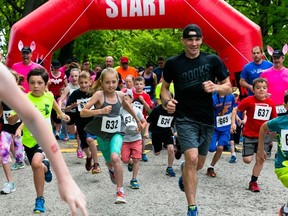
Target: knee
{"x": 170, "y": 149}
{"x": 115, "y": 158}
{"x": 247, "y": 160}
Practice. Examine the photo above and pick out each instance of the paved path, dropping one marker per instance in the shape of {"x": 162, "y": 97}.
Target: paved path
{"x": 225, "y": 195}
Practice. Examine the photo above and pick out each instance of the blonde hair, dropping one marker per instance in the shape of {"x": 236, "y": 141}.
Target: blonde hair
{"x": 97, "y": 85}
{"x": 84, "y": 75}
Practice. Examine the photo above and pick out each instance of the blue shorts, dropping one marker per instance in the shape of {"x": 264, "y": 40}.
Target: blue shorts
{"x": 219, "y": 138}
{"x": 192, "y": 134}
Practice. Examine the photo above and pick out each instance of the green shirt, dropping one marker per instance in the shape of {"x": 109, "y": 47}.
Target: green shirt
{"x": 158, "y": 90}
{"x": 44, "y": 104}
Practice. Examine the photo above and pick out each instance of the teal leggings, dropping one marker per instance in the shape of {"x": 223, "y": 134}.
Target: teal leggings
{"x": 112, "y": 146}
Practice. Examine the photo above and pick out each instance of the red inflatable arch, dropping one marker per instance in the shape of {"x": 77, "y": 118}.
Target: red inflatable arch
{"x": 57, "y": 22}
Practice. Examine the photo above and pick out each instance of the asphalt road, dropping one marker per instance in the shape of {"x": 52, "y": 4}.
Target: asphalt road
{"x": 159, "y": 195}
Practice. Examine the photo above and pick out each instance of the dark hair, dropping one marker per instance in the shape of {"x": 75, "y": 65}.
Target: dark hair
{"x": 286, "y": 98}
{"x": 259, "y": 80}
{"x": 39, "y": 72}
{"x": 139, "y": 79}
{"x": 149, "y": 64}
{"x": 160, "y": 58}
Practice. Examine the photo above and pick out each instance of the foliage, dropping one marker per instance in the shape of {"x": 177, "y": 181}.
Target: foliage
{"x": 142, "y": 46}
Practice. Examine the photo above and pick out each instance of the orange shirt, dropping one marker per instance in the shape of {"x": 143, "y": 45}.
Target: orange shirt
{"x": 130, "y": 71}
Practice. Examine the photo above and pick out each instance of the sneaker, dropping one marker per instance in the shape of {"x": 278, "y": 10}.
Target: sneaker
{"x": 233, "y": 159}
{"x": 48, "y": 174}
{"x": 88, "y": 164}
{"x": 80, "y": 154}
{"x": 180, "y": 180}
{"x": 210, "y": 172}
{"x": 57, "y": 137}
{"x": 134, "y": 183}
{"x": 178, "y": 152}
{"x": 112, "y": 176}
{"x": 281, "y": 211}
{"x": 39, "y": 205}
{"x": 120, "y": 198}
{"x": 130, "y": 167}
{"x": 8, "y": 187}
{"x": 170, "y": 172}
{"x": 144, "y": 158}
{"x": 96, "y": 168}
{"x": 66, "y": 138}
{"x": 192, "y": 211}
{"x": 253, "y": 186}
{"x": 17, "y": 166}
{"x": 269, "y": 151}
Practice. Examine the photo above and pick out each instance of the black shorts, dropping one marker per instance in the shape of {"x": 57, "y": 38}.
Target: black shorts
{"x": 159, "y": 139}
{"x": 72, "y": 116}
{"x": 31, "y": 151}
{"x": 54, "y": 117}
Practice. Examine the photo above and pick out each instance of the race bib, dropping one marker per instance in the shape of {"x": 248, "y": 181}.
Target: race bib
{"x": 284, "y": 140}
{"x": 224, "y": 120}
{"x": 280, "y": 109}
{"x": 111, "y": 124}
{"x": 164, "y": 121}
{"x": 129, "y": 120}
{"x": 262, "y": 113}
{"x": 6, "y": 115}
{"x": 138, "y": 105}
{"x": 147, "y": 89}
{"x": 82, "y": 102}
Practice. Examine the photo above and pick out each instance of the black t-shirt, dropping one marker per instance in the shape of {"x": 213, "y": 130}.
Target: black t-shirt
{"x": 6, "y": 126}
{"x": 160, "y": 121}
{"x": 82, "y": 98}
{"x": 188, "y": 76}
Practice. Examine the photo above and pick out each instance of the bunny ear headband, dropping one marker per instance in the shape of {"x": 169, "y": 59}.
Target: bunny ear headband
{"x": 271, "y": 50}
{"x": 21, "y": 45}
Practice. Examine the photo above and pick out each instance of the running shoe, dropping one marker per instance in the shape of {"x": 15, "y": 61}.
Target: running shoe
{"x": 96, "y": 168}
{"x": 120, "y": 198}
{"x": 39, "y": 205}
{"x": 281, "y": 211}
{"x": 48, "y": 174}
{"x": 80, "y": 154}
{"x": 57, "y": 136}
{"x": 130, "y": 167}
{"x": 180, "y": 180}
{"x": 112, "y": 176}
{"x": 17, "y": 166}
{"x": 233, "y": 159}
{"x": 170, "y": 172}
{"x": 88, "y": 164}
{"x": 134, "y": 183}
{"x": 192, "y": 211}
{"x": 178, "y": 152}
{"x": 66, "y": 138}
{"x": 269, "y": 151}
{"x": 210, "y": 172}
{"x": 144, "y": 158}
{"x": 8, "y": 187}
{"x": 253, "y": 186}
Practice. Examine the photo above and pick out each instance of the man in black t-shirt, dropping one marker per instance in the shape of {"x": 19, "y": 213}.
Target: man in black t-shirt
{"x": 194, "y": 74}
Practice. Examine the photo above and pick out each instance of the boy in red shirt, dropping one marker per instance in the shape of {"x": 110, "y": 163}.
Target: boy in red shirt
{"x": 143, "y": 102}
{"x": 259, "y": 109}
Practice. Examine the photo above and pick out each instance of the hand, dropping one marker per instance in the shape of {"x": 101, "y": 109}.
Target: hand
{"x": 146, "y": 135}
{"x": 261, "y": 155}
{"x": 73, "y": 196}
{"x": 140, "y": 126}
{"x": 233, "y": 128}
{"x": 107, "y": 109}
{"x": 171, "y": 106}
{"x": 64, "y": 117}
{"x": 209, "y": 86}
{"x": 141, "y": 98}
{"x": 18, "y": 133}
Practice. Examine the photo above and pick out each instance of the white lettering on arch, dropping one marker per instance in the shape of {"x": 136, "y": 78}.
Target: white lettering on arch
{"x": 112, "y": 12}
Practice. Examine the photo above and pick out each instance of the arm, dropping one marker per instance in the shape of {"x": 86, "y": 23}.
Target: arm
{"x": 146, "y": 131}
{"x": 68, "y": 189}
{"x": 261, "y": 154}
{"x": 167, "y": 100}
{"x": 233, "y": 120}
{"x": 60, "y": 113}
{"x": 63, "y": 96}
{"x": 246, "y": 85}
{"x": 223, "y": 88}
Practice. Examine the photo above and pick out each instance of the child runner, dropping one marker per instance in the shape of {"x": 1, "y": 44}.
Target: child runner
{"x": 7, "y": 139}
{"x": 143, "y": 102}
{"x": 77, "y": 100}
{"x": 108, "y": 125}
{"x": 71, "y": 111}
{"x": 44, "y": 102}
{"x": 280, "y": 125}
{"x": 160, "y": 123}
{"x": 131, "y": 152}
{"x": 68, "y": 189}
{"x": 259, "y": 109}
{"x": 223, "y": 106}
